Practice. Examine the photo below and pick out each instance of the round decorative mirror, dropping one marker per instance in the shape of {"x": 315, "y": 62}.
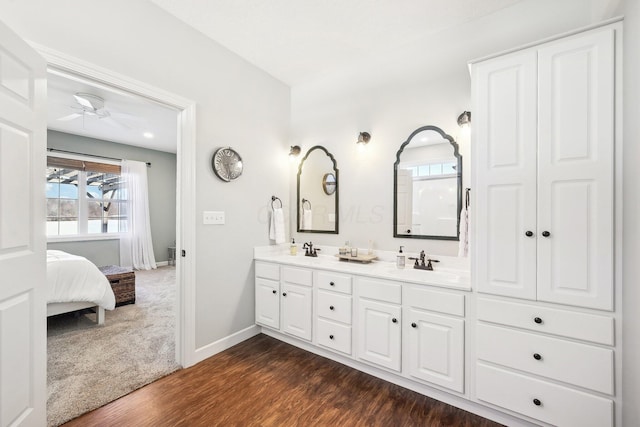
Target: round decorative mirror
{"x": 329, "y": 183}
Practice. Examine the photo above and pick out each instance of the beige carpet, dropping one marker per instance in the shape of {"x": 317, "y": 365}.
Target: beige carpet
{"x": 90, "y": 365}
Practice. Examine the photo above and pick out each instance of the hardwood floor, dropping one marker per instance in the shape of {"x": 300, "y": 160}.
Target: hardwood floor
{"x": 265, "y": 382}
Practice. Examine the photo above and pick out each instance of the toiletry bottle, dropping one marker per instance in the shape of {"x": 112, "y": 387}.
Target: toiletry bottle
{"x": 293, "y": 249}
{"x": 347, "y": 248}
{"x": 400, "y": 259}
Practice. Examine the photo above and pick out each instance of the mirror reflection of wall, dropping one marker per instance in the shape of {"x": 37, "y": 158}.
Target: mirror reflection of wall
{"x": 428, "y": 180}
{"x": 318, "y": 192}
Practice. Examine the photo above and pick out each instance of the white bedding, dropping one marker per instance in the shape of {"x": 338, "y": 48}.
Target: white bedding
{"x": 75, "y": 278}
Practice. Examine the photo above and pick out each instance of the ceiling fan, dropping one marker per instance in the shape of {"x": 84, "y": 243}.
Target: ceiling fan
{"x": 91, "y": 106}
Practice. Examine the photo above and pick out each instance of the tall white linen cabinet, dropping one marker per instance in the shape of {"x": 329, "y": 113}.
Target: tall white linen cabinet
{"x": 546, "y": 171}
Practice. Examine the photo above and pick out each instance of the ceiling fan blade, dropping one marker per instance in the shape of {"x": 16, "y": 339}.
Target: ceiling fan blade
{"x": 84, "y": 102}
{"x": 70, "y": 117}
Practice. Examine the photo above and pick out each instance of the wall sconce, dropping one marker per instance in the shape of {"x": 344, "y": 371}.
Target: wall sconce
{"x": 464, "y": 119}
{"x": 364, "y": 138}
{"x": 294, "y": 151}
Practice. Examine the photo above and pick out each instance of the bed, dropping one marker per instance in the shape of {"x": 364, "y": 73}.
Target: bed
{"x": 75, "y": 283}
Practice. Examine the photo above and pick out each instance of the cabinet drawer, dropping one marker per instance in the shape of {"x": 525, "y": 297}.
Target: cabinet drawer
{"x": 380, "y": 290}
{"x": 334, "y": 281}
{"x": 267, "y": 270}
{"x": 334, "y": 335}
{"x": 557, "y": 405}
{"x": 431, "y": 300}
{"x": 334, "y": 306}
{"x": 572, "y": 324}
{"x": 299, "y": 276}
{"x": 574, "y": 363}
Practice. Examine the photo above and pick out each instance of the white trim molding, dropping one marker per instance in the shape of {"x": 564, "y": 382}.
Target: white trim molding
{"x": 62, "y": 64}
{"x": 227, "y": 342}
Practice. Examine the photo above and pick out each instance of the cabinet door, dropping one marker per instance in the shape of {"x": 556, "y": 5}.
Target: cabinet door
{"x": 296, "y": 310}
{"x": 267, "y": 302}
{"x": 575, "y": 170}
{"x": 379, "y": 333}
{"x": 436, "y": 349}
{"x": 504, "y": 155}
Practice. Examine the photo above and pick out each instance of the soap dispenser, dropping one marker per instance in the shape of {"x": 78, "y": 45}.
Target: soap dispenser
{"x": 293, "y": 249}
{"x": 400, "y": 259}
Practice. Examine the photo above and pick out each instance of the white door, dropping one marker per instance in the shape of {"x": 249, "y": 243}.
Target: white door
{"x": 268, "y": 302}
{"x": 575, "y": 170}
{"x": 22, "y": 233}
{"x": 436, "y": 349}
{"x": 504, "y": 155}
{"x": 404, "y": 200}
{"x": 379, "y": 333}
{"x": 296, "y": 310}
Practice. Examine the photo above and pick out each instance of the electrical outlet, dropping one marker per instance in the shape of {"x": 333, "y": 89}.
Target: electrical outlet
{"x": 213, "y": 217}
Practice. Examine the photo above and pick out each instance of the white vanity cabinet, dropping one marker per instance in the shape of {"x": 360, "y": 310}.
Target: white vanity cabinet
{"x": 434, "y": 336}
{"x": 284, "y": 298}
{"x": 379, "y": 331}
{"x": 334, "y": 311}
{"x": 543, "y": 156}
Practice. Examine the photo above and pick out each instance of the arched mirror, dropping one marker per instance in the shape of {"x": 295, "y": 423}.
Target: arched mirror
{"x": 427, "y": 186}
{"x": 318, "y": 192}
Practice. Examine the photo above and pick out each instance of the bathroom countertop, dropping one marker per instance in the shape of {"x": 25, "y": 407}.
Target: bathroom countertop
{"x": 447, "y": 273}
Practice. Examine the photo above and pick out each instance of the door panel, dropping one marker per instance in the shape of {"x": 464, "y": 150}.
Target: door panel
{"x": 296, "y": 310}
{"x": 22, "y": 237}
{"x": 575, "y": 171}
{"x": 268, "y": 302}
{"x": 504, "y": 150}
{"x": 379, "y": 337}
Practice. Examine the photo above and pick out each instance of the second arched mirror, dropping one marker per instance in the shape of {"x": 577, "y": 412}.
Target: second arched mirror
{"x": 318, "y": 188}
{"x": 427, "y": 186}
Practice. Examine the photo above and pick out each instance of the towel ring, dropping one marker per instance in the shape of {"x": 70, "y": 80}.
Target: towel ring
{"x": 306, "y": 201}
{"x": 273, "y": 199}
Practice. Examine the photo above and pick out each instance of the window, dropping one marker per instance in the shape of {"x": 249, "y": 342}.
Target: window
{"x": 84, "y": 198}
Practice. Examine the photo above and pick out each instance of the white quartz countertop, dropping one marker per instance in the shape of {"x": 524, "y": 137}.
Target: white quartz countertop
{"x": 447, "y": 273}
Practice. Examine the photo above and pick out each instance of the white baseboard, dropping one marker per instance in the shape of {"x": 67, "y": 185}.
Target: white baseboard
{"x": 162, "y": 263}
{"x": 222, "y": 344}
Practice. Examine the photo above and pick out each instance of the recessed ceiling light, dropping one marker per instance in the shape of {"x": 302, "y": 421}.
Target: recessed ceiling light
{"x": 148, "y": 135}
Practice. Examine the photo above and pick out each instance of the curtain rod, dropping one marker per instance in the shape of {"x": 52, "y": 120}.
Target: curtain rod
{"x": 88, "y": 155}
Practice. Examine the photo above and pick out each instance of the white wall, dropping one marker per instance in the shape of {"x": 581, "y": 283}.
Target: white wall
{"x": 391, "y": 95}
{"x": 237, "y": 105}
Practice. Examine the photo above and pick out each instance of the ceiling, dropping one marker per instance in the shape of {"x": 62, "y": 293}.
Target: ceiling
{"x": 294, "y": 40}
{"x": 130, "y": 115}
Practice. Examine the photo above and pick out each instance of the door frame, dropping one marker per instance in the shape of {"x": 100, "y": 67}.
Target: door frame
{"x": 185, "y": 182}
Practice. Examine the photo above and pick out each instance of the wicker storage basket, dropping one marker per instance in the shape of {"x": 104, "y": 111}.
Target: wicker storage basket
{"x": 123, "y": 283}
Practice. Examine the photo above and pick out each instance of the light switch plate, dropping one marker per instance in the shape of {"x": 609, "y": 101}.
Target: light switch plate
{"x": 213, "y": 217}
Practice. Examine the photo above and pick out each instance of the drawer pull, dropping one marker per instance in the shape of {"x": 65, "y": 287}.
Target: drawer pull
{"x": 284, "y": 294}
{"x": 537, "y": 402}
{"x": 331, "y": 307}
{"x": 330, "y": 337}
{"x": 274, "y": 291}
{"x": 546, "y": 234}
{"x": 394, "y": 320}
{"x": 537, "y": 320}
{"x": 537, "y": 356}
{"x": 413, "y": 325}
{"x": 529, "y": 233}
{"x": 332, "y": 284}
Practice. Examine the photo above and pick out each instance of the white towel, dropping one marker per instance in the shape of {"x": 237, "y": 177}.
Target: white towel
{"x": 463, "y": 247}
{"x": 307, "y": 222}
{"x": 276, "y": 227}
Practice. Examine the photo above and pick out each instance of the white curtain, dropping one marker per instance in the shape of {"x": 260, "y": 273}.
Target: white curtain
{"x": 136, "y": 247}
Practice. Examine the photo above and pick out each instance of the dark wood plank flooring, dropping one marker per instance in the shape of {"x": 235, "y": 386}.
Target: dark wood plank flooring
{"x": 265, "y": 382}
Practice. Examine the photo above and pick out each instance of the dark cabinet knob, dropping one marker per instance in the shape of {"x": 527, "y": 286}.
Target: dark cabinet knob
{"x": 332, "y": 284}
{"x": 330, "y": 337}
{"x": 408, "y": 231}
{"x": 537, "y": 402}
{"x": 284, "y": 294}
{"x": 330, "y": 307}
{"x": 528, "y": 233}
{"x": 394, "y": 320}
{"x": 537, "y": 320}
{"x": 274, "y": 291}
{"x": 413, "y": 325}
{"x": 537, "y": 356}
{"x": 546, "y": 234}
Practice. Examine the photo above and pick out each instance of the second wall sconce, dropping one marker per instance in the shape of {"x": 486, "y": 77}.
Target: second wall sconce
{"x": 364, "y": 138}
{"x": 294, "y": 151}
{"x": 464, "y": 119}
